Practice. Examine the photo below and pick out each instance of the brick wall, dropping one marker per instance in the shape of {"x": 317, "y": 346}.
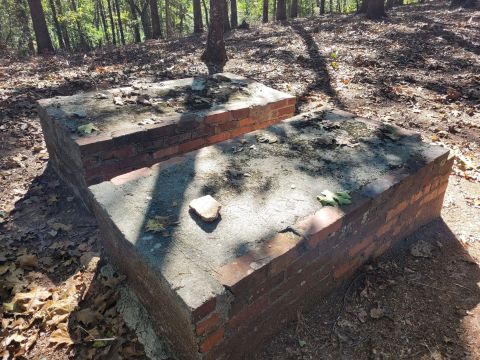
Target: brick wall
{"x": 301, "y": 269}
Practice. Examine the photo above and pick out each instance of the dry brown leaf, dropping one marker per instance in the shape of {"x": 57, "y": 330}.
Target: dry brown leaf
{"x": 28, "y": 260}
{"x": 61, "y": 335}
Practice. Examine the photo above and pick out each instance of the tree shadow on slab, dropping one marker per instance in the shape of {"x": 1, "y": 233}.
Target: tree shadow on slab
{"x": 428, "y": 305}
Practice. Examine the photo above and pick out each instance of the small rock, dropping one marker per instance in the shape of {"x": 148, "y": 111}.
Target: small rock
{"x": 206, "y": 207}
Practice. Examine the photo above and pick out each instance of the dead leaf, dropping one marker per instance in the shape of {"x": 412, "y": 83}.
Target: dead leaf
{"x": 61, "y": 335}
{"x": 28, "y": 260}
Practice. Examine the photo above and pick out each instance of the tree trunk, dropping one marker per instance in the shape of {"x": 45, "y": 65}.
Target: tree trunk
{"x": 265, "y": 11}
{"x": 104, "y": 20}
{"x": 206, "y": 13}
{"x": 294, "y": 9}
{"x": 226, "y": 20}
{"x": 197, "y": 17}
{"x": 135, "y": 26}
{"x": 83, "y": 41}
{"x": 322, "y": 7}
{"x": 168, "y": 19}
{"x": 119, "y": 22}
{"x": 112, "y": 22}
{"x": 58, "y": 30}
{"x": 363, "y": 7}
{"x": 215, "y": 55}
{"x": 233, "y": 14}
{"x": 375, "y": 9}
{"x": 281, "y": 10}
{"x": 156, "y": 28}
{"x": 63, "y": 26}
{"x": 25, "y": 40}
{"x": 44, "y": 43}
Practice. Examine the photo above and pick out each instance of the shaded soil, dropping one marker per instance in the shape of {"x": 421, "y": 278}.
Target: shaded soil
{"x": 418, "y": 69}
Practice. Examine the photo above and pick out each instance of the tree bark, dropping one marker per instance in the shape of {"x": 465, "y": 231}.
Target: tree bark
{"x": 206, "y": 13}
{"x": 168, "y": 19}
{"x": 58, "y": 29}
{"x": 63, "y": 26}
{"x": 112, "y": 22}
{"x": 135, "y": 26}
{"x": 104, "y": 20}
{"x": 233, "y": 14}
{"x": 226, "y": 20}
{"x": 44, "y": 43}
{"x": 375, "y": 9}
{"x": 281, "y": 10}
{"x": 294, "y": 9}
{"x": 363, "y": 7}
{"x": 322, "y": 7}
{"x": 197, "y": 17}
{"x": 215, "y": 55}
{"x": 156, "y": 27}
{"x": 119, "y": 22}
{"x": 265, "y": 11}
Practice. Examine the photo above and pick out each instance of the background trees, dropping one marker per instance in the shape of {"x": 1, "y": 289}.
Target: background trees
{"x": 71, "y": 25}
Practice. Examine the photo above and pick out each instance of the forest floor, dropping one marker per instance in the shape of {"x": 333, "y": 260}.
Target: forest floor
{"x": 419, "y": 69}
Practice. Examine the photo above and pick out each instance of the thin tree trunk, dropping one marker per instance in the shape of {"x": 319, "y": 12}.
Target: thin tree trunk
{"x": 25, "y": 40}
{"x": 274, "y": 13}
{"x": 197, "y": 17}
{"x": 322, "y": 7}
{"x": 281, "y": 10}
{"x": 112, "y": 22}
{"x": 119, "y": 21}
{"x": 226, "y": 20}
{"x": 58, "y": 30}
{"x": 63, "y": 26}
{"x": 294, "y": 9}
{"x": 146, "y": 24}
{"x": 44, "y": 43}
{"x": 168, "y": 19}
{"x": 206, "y": 13}
{"x": 233, "y": 14}
{"x": 104, "y": 20}
{"x": 135, "y": 26}
{"x": 156, "y": 28}
{"x": 265, "y": 11}
{"x": 215, "y": 55}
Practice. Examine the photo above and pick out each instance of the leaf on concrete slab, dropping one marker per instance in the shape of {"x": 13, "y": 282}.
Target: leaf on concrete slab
{"x": 329, "y": 198}
{"x": 86, "y": 129}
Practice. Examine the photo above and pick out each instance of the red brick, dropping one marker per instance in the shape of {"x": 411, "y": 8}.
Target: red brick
{"x": 246, "y": 121}
{"x": 248, "y": 314}
{"x": 203, "y": 310}
{"x": 359, "y": 246}
{"x": 212, "y": 340}
{"x": 132, "y": 175}
{"x": 232, "y": 272}
{"x": 166, "y": 152}
{"x": 286, "y": 111}
{"x": 218, "y": 138}
{"x": 385, "y": 228}
{"x": 218, "y": 117}
{"x": 241, "y": 113}
{"x": 192, "y": 145}
{"x": 93, "y": 144}
{"x": 325, "y": 221}
{"x": 156, "y": 131}
{"x": 279, "y": 104}
{"x": 207, "y": 325}
{"x": 121, "y": 153}
{"x": 397, "y": 209}
{"x": 292, "y": 101}
{"x": 178, "y": 139}
{"x": 241, "y": 131}
{"x": 282, "y": 249}
{"x": 347, "y": 268}
{"x": 226, "y": 127}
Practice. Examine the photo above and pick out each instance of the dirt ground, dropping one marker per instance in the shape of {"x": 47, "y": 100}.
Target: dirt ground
{"x": 418, "y": 69}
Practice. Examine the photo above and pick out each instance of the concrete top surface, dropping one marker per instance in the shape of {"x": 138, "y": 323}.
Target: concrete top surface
{"x": 157, "y": 103}
{"x": 265, "y": 181}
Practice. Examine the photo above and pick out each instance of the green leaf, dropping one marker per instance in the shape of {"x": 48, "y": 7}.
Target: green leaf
{"x": 334, "y": 65}
{"x": 86, "y": 129}
{"x": 329, "y": 198}
{"x": 10, "y": 307}
{"x": 302, "y": 343}
{"x": 334, "y": 55}
{"x": 99, "y": 344}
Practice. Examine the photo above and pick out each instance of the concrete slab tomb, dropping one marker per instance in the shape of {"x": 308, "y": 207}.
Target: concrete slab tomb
{"x": 218, "y": 290}
{"x": 94, "y": 136}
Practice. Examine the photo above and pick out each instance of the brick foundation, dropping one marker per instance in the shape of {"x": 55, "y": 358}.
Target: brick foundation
{"x": 254, "y": 295}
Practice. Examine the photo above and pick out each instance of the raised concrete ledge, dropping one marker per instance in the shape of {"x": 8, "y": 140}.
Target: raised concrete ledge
{"x": 234, "y": 283}
{"x": 155, "y": 122}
